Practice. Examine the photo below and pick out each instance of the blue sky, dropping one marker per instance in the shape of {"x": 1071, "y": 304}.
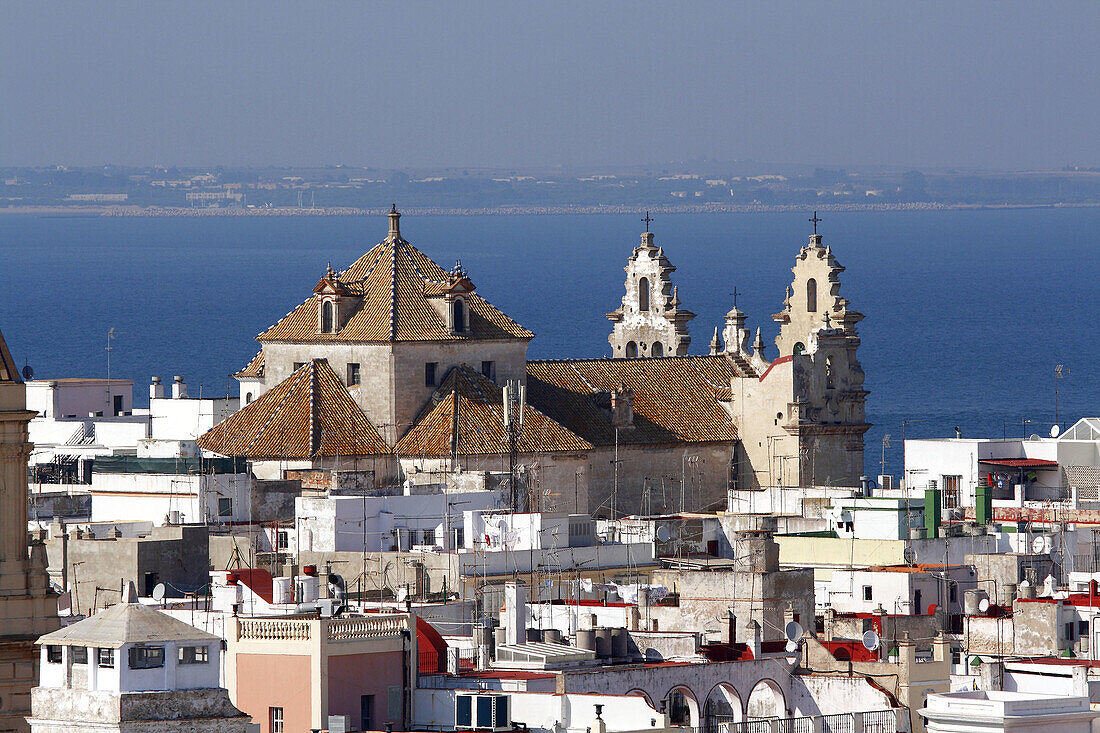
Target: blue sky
{"x": 1001, "y": 85}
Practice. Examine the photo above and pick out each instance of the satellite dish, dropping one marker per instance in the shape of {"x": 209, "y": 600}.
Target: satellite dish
{"x": 1054, "y": 431}
{"x": 1038, "y": 545}
{"x": 402, "y": 594}
{"x": 909, "y": 555}
{"x": 871, "y": 641}
{"x": 983, "y": 605}
{"x": 792, "y": 646}
{"x": 158, "y": 592}
{"x": 662, "y": 534}
{"x": 28, "y": 373}
{"x": 793, "y": 631}
{"x": 1034, "y": 437}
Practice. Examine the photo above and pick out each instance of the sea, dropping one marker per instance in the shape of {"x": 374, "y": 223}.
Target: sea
{"x": 968, "y": 312}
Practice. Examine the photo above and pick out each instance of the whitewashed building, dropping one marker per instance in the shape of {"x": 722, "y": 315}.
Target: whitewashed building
{"x": 132, "y": 668}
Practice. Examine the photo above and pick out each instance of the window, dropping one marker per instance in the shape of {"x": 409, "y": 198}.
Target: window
{"x": 225, "y": 507}
{"x": 658, "y": 349}
{"x": 487, "y": 369}
{"x": 429, "y": 373}
{"x": 811, "y": 295}
{"x": 275, "y": 718}
{"x": 80, "y": 654}
{"x": 956, "y": 657}
{"x": 298, "y": 365}
{"x": 194, "y": 654}
{"x": 117, "y": 403}
{"x": 1070, "y": 628}
{"x": 632, "y": 350}
{"x": 953, "y": 592}
{"x": 106, "y": 658}
{"x": 951, "y": 496}
{"x": 146, "y": 657}
{"x": 458, "y": 316}
{"x": 248, "y": 399}
{"x": 643, "y": 294}
{"x": 866, "y": 592}
{"x": 53, "y": 654}
{"x": 328, "y": 317}
{"x": 1083, "y": 628}
{"x": 428, "y": 537}
{"x": 353, "y": 374}
{"x": 281, "y": 540}
{"x": 458, "y": 536}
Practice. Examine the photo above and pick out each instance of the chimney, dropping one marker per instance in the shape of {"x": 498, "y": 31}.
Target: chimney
{"x": 515, "y": 613}
{"x": 156, "y": 389}
{"x": 179, "y": 388}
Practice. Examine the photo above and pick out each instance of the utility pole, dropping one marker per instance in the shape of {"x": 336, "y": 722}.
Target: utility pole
{"x": 904, "y": 478}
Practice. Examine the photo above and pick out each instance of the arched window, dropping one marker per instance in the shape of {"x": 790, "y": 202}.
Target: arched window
{"x": 458, "y": 316}
{"x": 643, "y": 294}
{"x": 658, "y": 349}
{"x": 632, "y": 350}
{"x": 328, "y": 317}
{"x": 248, "y": 398}
{"x": 799, "y": 348}
{"x": 811, "y": 295}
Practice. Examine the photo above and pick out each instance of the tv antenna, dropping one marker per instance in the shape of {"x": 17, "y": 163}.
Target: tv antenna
{"x": 1060, "y": 370}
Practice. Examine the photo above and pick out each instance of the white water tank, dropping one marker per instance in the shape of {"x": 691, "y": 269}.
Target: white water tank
{"x": 281, "y": 591}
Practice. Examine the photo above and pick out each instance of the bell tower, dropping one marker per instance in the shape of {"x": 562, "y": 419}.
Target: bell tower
{"x": 28, "y": 607}
{"x": 650, "y": 321}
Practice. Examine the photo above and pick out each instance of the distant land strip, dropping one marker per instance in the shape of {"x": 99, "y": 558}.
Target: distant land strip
{"x": 166, "y": 211}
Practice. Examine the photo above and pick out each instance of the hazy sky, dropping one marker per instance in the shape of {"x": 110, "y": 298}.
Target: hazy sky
{"x": 502, "y": 84}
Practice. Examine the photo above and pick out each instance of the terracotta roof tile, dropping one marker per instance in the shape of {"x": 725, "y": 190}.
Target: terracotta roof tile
{"x": 676, "y": 398}
{"x": 394, "y": 284}
{"x": 308, "y": 414}
{"x": 255, "y": 367}
{"x": 480, "y": 423}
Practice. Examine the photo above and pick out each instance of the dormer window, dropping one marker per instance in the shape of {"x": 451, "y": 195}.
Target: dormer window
{"x": 458, "y": 315}
{"x": 328, "y": 316}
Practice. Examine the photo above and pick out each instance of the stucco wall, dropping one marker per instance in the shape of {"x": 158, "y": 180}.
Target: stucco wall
{"x": 258, "y": 689}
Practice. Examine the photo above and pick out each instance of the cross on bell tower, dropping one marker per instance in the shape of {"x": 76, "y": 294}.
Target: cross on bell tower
{"x": 816, "y": 220}
{"x": 648, "y": 220}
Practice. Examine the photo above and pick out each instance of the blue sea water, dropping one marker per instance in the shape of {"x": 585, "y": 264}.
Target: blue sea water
{"x": 967, "y": 312}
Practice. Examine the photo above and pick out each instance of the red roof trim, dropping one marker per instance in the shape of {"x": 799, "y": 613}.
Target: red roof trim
{"x": 1020, "y": 462}
{"x": 780, "y": 360}
{"x": 257, "y": 581}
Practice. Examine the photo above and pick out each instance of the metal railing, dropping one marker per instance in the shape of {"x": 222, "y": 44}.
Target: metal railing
{"x": 838, "y": 723}
{"x": 880, "y": 721}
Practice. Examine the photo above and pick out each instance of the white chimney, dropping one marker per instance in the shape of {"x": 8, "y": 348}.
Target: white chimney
{"x": 156, "y": 389}
{"x": 179, "y": 388}
{"x": 515, "y": 613}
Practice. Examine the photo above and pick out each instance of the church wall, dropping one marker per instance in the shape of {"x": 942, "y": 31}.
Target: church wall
{"x": 760, "y": 408}
{"x": 646, "y": 466}
{"x": 410, "y": 391}
{"x": 561, "y": 477}
{"x": 375, "y": 367}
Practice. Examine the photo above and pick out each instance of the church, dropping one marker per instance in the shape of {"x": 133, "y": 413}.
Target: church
{"x": 394, "y": 368}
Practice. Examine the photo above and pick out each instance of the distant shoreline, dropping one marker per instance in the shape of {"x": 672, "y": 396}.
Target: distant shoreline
{"x": 164, "y": 211}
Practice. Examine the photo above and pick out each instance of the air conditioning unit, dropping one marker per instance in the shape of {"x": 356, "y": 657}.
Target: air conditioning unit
{"x": 339, "y": 724}
{"x": 482, "y": 712}
{"x": 886, "y": 482}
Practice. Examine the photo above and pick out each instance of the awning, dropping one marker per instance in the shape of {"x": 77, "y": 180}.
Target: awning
{"x": 1019, "y": 462}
